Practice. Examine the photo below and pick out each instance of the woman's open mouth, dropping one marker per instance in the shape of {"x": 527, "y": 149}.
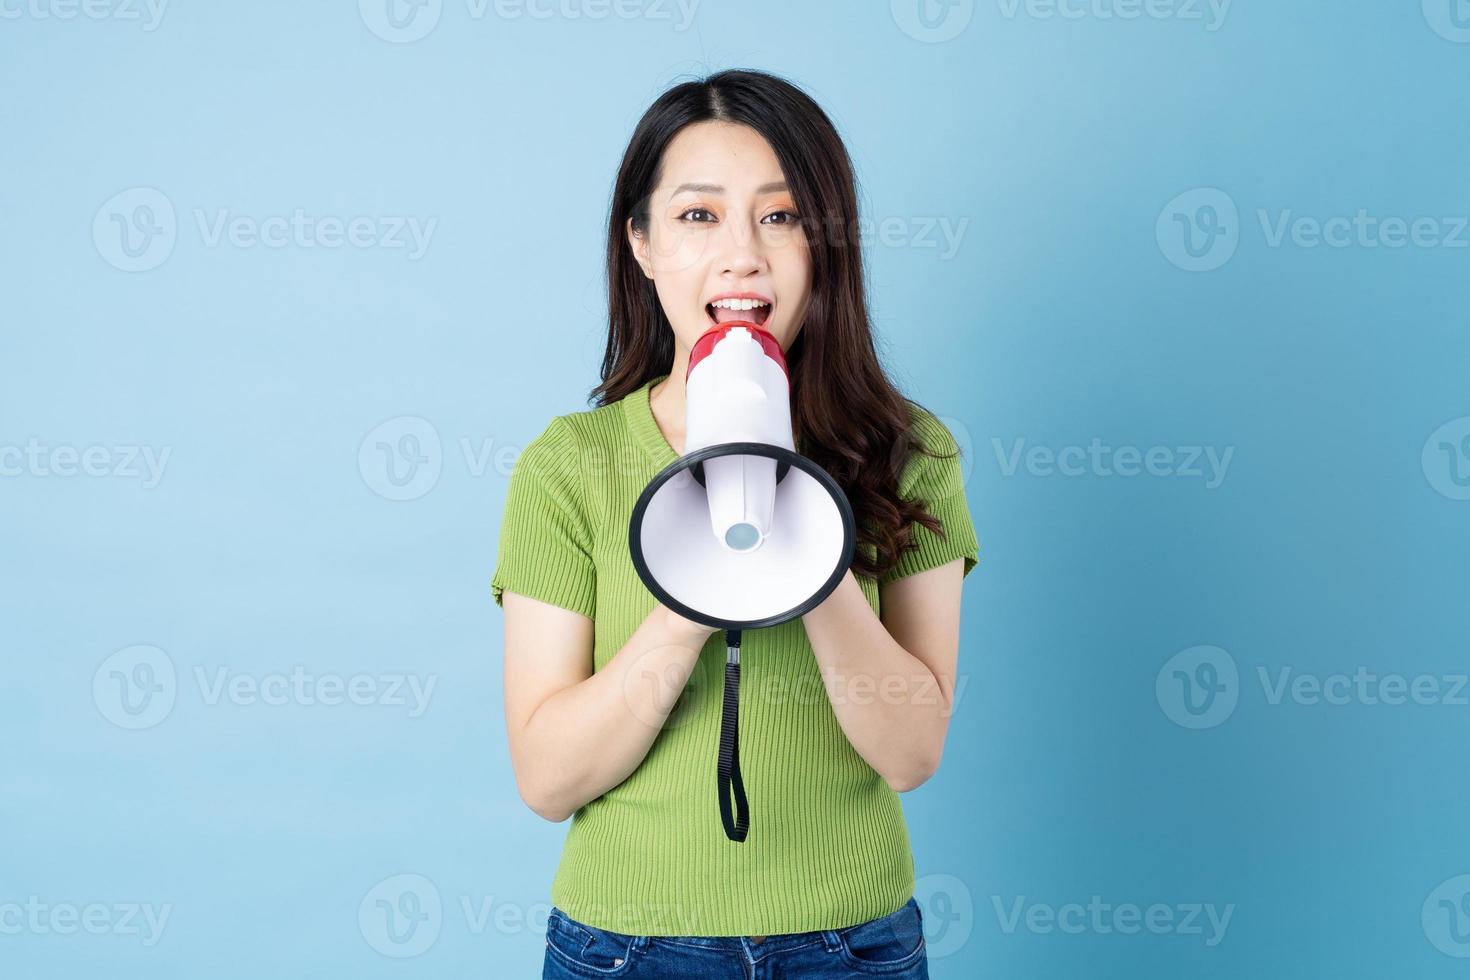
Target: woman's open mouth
{"x": 750, "y": 310}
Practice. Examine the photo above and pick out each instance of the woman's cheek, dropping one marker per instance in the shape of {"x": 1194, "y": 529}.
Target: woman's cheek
{"x": 678, "y": 251}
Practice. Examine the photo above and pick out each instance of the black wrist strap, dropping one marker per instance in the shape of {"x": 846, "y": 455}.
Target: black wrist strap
{"x": 729, "y": 768}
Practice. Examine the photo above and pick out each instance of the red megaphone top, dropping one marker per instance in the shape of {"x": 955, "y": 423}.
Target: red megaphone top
{"x": 714, "y": 335}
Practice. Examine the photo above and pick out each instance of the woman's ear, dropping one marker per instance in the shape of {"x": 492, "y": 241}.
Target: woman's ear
{"x": 639, "y": 244}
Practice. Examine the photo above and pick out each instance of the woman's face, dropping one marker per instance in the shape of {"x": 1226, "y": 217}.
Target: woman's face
{"x": 721, "y": 221}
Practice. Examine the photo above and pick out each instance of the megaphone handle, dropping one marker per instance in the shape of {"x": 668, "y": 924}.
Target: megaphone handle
{"x": 729, "y": 768}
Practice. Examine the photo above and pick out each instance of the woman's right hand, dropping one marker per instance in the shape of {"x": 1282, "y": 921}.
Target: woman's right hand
{"x": 695, "y": 632}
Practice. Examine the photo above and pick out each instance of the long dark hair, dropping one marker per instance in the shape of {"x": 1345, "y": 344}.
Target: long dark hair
{"x": 848, "y": 417}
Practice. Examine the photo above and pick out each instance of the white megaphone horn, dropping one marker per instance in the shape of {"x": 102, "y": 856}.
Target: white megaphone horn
{"x": 741, "y": 531}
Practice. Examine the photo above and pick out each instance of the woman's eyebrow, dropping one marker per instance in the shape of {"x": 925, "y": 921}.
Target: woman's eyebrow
{"x": 772, "y": 188}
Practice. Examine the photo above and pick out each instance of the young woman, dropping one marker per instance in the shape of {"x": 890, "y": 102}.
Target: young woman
{"x": 734, "y": 186}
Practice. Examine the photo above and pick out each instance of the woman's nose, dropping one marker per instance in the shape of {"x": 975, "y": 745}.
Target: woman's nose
{"x": 740, "y": 251}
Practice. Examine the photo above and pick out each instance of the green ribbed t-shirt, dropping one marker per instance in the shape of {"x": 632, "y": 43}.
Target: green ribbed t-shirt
{"x": 828, "y": 846}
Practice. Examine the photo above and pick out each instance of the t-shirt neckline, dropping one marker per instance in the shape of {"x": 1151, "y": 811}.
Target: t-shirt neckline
{"x": 639, "y": 414}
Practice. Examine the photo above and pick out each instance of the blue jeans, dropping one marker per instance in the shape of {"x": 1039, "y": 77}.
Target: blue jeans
{"x": 889, "y": 946}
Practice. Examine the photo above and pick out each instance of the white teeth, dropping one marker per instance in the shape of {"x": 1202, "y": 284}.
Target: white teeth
{"x": 739, "y": 304}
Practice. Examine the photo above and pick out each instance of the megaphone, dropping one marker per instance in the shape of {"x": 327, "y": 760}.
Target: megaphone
{"x": 741, "y": 531}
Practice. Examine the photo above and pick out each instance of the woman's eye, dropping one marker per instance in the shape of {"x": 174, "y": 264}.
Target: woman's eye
{"x": 790, "y": 216}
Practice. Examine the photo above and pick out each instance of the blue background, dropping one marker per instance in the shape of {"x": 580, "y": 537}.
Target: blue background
{"x": 1078, "y": 762}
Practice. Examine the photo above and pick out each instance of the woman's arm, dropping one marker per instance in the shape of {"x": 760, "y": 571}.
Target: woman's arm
{"x": 574, "y": 733}
{"x": 891, "y": 681}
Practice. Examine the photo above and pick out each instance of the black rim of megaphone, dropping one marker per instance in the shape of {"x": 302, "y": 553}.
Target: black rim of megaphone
{"x": 780, "y": 454}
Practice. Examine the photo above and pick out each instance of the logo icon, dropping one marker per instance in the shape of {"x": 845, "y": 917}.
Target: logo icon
{"x": 135, "y": 230}
{"x": 402, "y": 458}
{"x": 401, "y": 916}
{"x": 400, "y": 21}
{"x": 678, "y": 697}
{"x": 135, "y": 687}
{"x": 948, "y": 911}
{"x": 1198, "y": 687}
{"x": 1446, "y": 459}
{"x": 1446, "y": 917}
{"x": 932, "y": 21}
{"x": 964, "y": 442}
{"x": 1450, "y": 19}
{"x": 1199, "y": 230}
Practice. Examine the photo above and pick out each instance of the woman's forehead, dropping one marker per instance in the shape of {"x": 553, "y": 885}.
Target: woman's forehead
{"x": 726, "y": 155}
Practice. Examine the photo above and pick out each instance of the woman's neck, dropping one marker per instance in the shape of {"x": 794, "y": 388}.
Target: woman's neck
{"x": 666, "y": 401}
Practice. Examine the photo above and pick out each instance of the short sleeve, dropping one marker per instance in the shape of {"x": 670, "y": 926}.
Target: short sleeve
{"x": 940, "y": 485}
{"x": 545, "y": 537}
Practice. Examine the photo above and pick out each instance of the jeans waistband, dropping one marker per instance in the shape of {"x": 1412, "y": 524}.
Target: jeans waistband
{"x": 771, "y": 944}
{"x": 747, "y": 944}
